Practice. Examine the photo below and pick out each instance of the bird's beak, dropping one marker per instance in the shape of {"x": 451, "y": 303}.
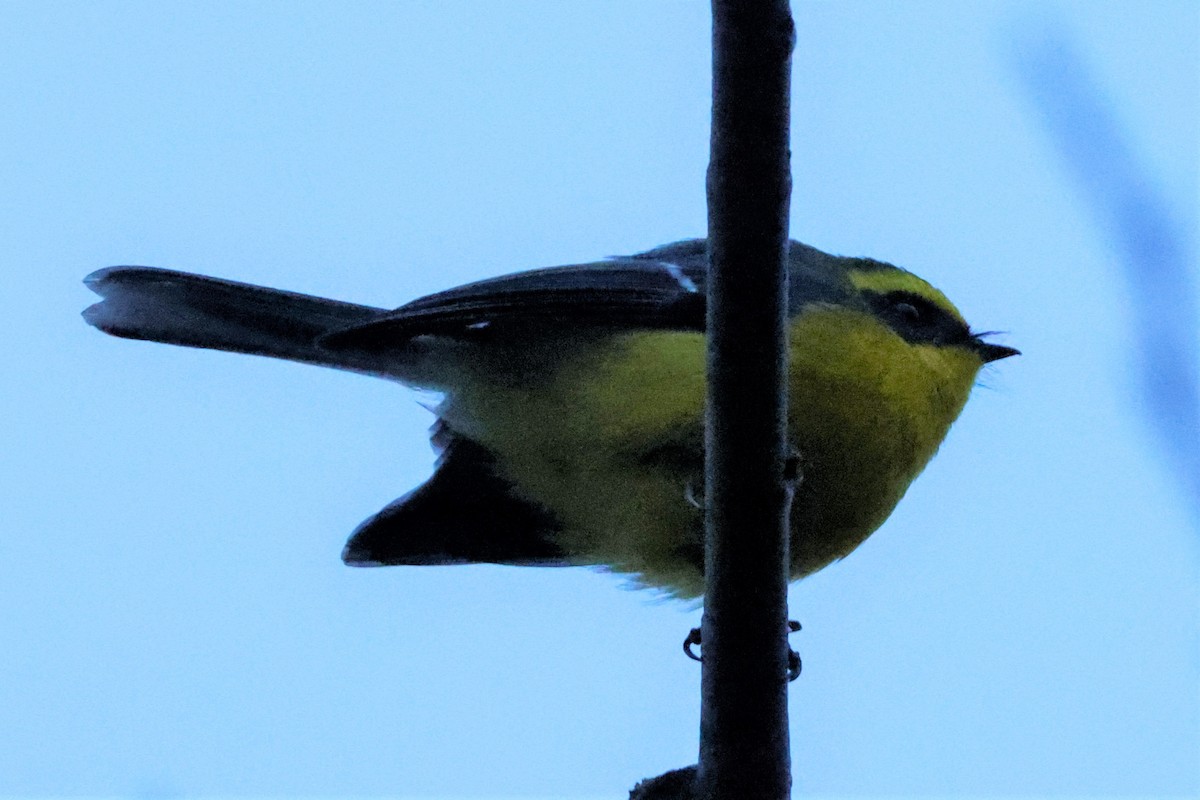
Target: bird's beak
{"x": 994, "y": 352}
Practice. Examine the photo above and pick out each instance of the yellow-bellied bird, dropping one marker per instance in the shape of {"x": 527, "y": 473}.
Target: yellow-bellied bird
{"x": 571, "y": 429}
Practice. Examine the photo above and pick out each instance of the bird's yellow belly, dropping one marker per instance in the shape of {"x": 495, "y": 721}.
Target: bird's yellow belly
{"x": 611, "y": 443}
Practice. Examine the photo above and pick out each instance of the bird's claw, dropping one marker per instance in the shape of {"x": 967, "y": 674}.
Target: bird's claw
{"x": 793, "y": 466}
{"x": 695, "y": 637}
{"x": 794, "y": 664}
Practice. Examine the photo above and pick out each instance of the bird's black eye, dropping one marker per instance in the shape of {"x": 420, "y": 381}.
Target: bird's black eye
{"x": 917, "y": 318}
{"x": 907, "y": 311}
{"x": 911, "y": 310}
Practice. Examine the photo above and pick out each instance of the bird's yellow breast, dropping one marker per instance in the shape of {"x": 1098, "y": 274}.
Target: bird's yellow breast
{"x": 867, "y": 411}
{"x": 610, "y": 441}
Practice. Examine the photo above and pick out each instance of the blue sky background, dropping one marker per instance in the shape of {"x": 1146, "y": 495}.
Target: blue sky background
{"x": 175, "y": 619}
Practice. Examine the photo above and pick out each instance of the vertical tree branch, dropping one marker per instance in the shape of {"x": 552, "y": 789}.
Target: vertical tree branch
{"x": 743, "y": 727}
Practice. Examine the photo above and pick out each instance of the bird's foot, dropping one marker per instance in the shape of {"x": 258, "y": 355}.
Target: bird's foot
{"x": 695, "y": 637}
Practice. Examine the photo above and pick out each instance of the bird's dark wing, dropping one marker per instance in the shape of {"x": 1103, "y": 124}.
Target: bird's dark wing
{"x": 464, "y": 514}
{"x": 662, "y": 288}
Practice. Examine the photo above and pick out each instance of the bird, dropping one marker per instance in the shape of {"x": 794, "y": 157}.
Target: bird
{"x": 570, "y": 429}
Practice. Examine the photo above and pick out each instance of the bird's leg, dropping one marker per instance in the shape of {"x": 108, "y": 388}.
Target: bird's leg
{"x": 793, "y": 476}
{"x": 794, "y": 664}
{"x": 695, "y": 637}
{"x": 793, "y": 466}
{"x": 693, "y": 493}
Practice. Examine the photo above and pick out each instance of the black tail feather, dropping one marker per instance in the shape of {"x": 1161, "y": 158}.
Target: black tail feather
{"x": 196, "y": 311}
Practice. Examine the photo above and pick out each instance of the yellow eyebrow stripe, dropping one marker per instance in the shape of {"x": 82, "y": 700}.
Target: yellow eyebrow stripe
{"x": 893, "y": 279}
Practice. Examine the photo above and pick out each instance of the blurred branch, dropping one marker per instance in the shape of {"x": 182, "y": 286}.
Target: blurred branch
{"x": 1149, "y": 240}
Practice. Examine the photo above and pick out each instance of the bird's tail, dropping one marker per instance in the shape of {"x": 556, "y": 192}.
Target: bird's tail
{"x": 196, "y": 311}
